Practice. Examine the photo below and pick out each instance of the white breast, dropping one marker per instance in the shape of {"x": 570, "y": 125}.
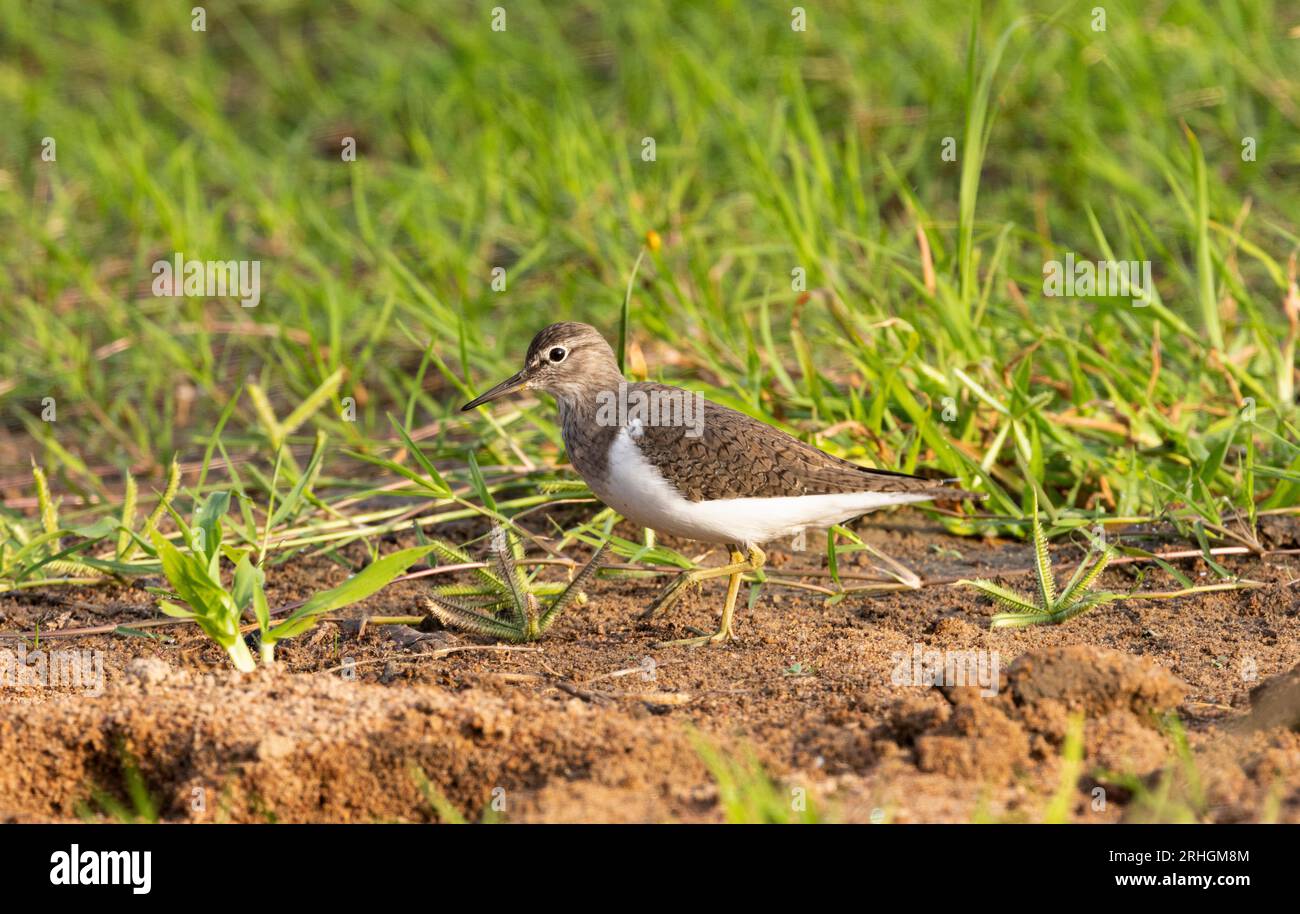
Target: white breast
{"x": 637, "y": 490}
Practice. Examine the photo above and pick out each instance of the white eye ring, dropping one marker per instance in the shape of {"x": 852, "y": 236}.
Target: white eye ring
{"x": 552, "y": 355}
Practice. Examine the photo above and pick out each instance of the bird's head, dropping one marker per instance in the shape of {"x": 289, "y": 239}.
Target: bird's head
{"x": 563, "y": 360}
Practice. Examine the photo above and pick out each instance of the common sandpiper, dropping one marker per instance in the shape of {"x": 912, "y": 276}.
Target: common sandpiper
{"x": 668, "y": 459}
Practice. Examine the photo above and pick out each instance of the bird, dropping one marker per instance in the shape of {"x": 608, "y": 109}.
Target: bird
{"x": 667, "y": 459}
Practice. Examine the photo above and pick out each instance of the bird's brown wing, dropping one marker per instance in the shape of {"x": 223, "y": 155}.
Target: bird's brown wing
{"x": 726, "y": 454}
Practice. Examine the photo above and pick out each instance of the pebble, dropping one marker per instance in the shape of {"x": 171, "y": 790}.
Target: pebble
{"x": 274, "y": 746}
{"x": 147, "y": 671}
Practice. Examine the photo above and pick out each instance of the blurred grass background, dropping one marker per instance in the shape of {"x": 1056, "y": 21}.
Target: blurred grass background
{"x": 776, "y": 150}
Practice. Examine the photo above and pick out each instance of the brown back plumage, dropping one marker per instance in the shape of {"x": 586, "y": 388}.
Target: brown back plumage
{"x": 733, "y": 456}
{"x": 737, "y": 456}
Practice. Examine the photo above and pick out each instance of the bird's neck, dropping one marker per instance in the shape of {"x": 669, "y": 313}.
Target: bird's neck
{"x": 586, "y": 397}
{"x": 588, "y": 421}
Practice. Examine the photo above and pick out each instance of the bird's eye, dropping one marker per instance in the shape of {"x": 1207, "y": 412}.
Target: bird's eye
{"x": 558, "y": 353}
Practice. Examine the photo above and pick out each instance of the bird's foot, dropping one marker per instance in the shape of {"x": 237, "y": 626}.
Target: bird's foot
{"x": 722, "y": 636}
{"x": 740, "y": 564}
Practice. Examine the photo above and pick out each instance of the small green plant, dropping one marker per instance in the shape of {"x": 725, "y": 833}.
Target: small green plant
{"x": 747, "y": 795}
{"x": 1051, "y": 607}
{"x": 143, "y": 808}
{"x": 1071, "y": 767}
{"x": 505, "y": 604}
{"x": 1176, "y": 795}
{"x": 443, "y": 809}
{"x": 195, "y": 576}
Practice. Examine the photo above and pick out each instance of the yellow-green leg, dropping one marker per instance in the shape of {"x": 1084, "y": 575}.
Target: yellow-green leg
{"x": 673, "y": 592}
{"x": 741, "y": 564}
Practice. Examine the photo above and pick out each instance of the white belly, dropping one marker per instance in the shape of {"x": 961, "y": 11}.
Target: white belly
{"x": 637, "y": 490}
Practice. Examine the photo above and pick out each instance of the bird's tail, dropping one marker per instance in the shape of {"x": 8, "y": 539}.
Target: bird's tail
{"x": 948, "y": 493}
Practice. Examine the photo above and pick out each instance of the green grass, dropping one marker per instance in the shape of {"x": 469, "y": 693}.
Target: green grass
{"x": 1177, "y": 794}
{"x": 776, "y": 150}
{"x": 142, "y": 806}
{"x": 747, "y": 795}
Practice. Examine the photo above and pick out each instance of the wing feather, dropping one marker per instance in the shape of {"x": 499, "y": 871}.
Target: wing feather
{"x": 727, "y": 454}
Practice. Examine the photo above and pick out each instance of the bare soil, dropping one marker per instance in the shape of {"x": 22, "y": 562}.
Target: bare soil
{"x": 597, "y": 724}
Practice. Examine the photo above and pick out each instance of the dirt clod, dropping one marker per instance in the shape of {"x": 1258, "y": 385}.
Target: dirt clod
{"x": 1094, "y": 680}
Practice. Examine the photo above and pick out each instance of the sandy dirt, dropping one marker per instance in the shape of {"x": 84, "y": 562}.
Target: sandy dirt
{"x": 595, "y": 723}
